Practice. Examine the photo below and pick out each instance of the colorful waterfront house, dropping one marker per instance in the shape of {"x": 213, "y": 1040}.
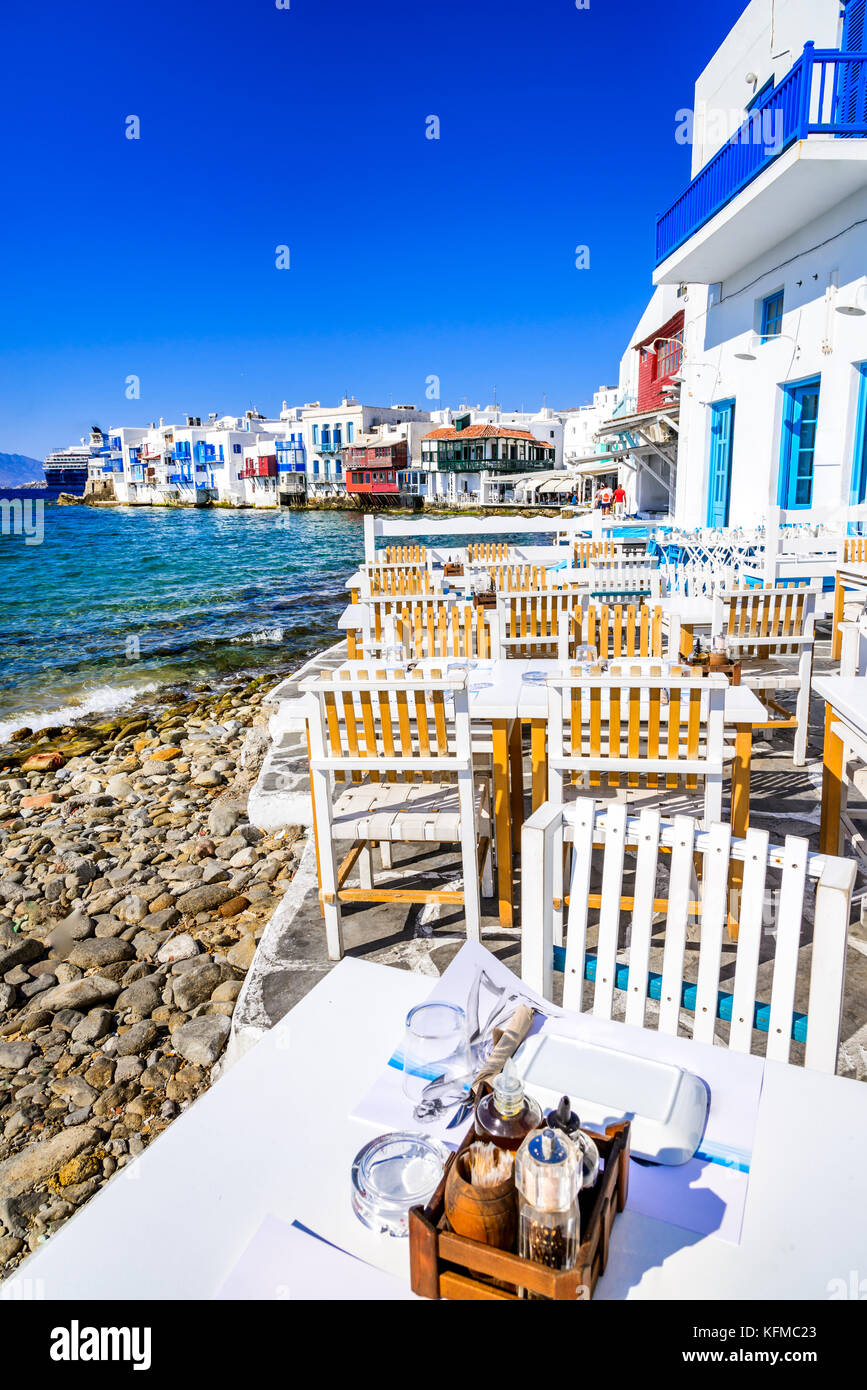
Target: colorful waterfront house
{"x": 467, "y": 460}
{"x": 373, "y": 469}
{"x": 766, "y": 247}
{"x": 329, "y": 430}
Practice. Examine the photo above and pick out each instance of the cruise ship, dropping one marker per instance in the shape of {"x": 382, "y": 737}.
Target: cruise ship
{"x": 66, "y": 469}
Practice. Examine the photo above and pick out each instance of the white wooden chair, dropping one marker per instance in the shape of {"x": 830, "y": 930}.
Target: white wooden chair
{"x": 771, "y": 632}
{"x": 631, "y": 737}
{"x": 396, "y": 579}
{"x": 622, "y": 581}
{"x": 586, "y": 553}
{"x": 424, "y": 625}
{"x": 614, "y": 629}
{"x": 489, "y": 553}
{"x": 530, "y": 624}
{"x": 391, "y": 762}
{"x": 674, "y": 998}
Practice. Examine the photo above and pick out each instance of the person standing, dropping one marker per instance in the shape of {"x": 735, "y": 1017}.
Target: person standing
{"x": 619, "y": 499}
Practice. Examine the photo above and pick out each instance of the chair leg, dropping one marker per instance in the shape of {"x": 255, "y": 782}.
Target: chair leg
{"x": 488, "y": 873}
{"x": 365, "y": 867}
{"x": 385, "y": 854}
{"x": 472, "y": 902}
{"x": 802, "y": 713}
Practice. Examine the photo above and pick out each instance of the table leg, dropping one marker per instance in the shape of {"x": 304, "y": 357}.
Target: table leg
{"x": 832, "y": 788}
{"x": 740, "y": 817}
{"x": 539, "y": 761}
{"x": 686, "y": 640}
{"x": 503, "y": 819}
{"x": 516, "y": 780}
{"x": 836, "y": 634}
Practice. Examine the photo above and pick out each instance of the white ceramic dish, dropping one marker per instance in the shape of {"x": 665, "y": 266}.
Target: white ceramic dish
{"x": 666, "y": 1105}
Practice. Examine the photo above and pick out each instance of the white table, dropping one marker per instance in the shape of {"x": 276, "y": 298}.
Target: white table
{"x": 845, "y": 703}
{"x": 273, "y": 1137}
{"x": 683, "y": 615}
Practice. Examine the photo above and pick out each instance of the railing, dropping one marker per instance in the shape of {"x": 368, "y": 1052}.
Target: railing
{"x": 333, "y": 446}
{"x": 825, "y": 93}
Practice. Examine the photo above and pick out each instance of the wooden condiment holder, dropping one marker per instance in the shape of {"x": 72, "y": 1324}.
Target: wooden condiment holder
{"x": 485, "y": 600}
{"x": 444, "y": 1264}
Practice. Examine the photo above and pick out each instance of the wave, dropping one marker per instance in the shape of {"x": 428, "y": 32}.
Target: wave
{"x": 268, "y": 636}
{"x": 104, "y": 700}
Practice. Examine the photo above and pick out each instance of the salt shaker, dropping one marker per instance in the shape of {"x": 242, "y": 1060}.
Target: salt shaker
{"x": 548, "y": 1179}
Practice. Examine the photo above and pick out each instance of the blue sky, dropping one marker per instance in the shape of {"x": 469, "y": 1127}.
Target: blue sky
{"x": 306, "y": 127}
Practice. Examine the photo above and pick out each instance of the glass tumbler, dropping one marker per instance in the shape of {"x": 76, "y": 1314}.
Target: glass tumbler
{"x": 436, "y": 1060}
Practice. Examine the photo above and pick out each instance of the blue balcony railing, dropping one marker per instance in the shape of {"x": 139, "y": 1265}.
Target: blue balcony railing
{"x": 825, "y": 93}
{"x": 332, "y": 446}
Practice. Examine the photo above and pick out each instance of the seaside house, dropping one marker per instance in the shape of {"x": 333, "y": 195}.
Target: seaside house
{"x": 766, "y": 248}
{"x": 327, "y": 431}
{"x": 640, "y": 434}
{"x": 476, "y": 464}
{"x": 382, "y": 468}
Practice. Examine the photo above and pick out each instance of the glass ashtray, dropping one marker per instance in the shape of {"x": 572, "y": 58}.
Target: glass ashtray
{"x": 391, "y": 1174}
{"x": 535, "y": 677}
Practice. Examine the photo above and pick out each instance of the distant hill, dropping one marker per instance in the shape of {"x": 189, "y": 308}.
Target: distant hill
{"x": 18, "y": 469}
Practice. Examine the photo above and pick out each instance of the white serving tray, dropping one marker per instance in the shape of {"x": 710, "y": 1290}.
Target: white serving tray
{"x": 666, "y": 1105}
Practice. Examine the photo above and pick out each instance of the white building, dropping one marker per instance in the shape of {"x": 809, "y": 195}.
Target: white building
{"x": 545, "y": 424}
{"x": 328, "y": 429}
{"x": 195, "y": 463}
{"x": 768, "y": 247}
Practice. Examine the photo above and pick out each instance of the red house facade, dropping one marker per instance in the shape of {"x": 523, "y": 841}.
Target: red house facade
{"x": 660, "y": 357}
{"x": 372, "y": 470}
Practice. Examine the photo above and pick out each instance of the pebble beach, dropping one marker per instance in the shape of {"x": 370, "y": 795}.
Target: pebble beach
{"x": 133, "y": 892}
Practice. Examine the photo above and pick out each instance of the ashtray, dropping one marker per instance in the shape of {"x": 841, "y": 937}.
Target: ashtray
{"x": 391, "y": 1174}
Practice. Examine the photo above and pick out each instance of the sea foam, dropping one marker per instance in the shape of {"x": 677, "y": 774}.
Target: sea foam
{"x": 105, "y": 699}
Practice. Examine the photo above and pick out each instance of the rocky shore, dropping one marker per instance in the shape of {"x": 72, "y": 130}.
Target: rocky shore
{"x": 133, "y": 892}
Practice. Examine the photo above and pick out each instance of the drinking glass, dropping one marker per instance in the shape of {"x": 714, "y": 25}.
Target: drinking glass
{"x": 436, "y": 1059}
{"x": 586, "y": 657}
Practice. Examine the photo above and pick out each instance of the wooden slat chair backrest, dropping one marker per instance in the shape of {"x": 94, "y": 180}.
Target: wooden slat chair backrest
{"x": 405, "y": 554}
{"x": 637, "y": 732}
{"x": 775, "y": 883}
{"x": 584, "y": 553}
{"x": 529, "y": 624}
{"x": 781, "y": 620}
{"x": 489, "y": 552}
{"x": 621, "y": 580}
{"x": 389, "y": 725}
{"x": 399, "y": 579}
{"x": 431, "y": 627}
{"x": 516, "y": 579}
{"x": 855, "y": 550}
{"x": 615, "y": 630}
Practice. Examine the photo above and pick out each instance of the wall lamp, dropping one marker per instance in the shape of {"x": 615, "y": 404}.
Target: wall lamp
{"x": 854, "y": 309}
{"x": 751, "y": 351}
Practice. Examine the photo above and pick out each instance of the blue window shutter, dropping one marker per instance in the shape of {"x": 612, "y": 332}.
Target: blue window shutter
{"x": 853, "y": 76}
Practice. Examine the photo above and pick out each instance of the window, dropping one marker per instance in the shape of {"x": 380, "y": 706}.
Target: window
{"x": 236, "y": 448}
{"x": 772, "y": 316}
{"x": 670, "y": 355}
{"x": 350, "y": 431}
{"x": 315, "y": 434}
{"x": 797, "y": 459}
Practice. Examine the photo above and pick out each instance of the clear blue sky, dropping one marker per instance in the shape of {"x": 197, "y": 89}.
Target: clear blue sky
{"x": 306, "y": 127}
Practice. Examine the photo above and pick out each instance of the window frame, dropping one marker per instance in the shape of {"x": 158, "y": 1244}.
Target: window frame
{"x": 778, "y": 296}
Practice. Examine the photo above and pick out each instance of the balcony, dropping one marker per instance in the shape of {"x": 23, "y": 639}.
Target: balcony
{"x": 802, "y": 150}
{"x": 332, "y": 446}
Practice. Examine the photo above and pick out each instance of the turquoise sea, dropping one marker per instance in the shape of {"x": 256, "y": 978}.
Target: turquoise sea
{"x": 118, "y": 600}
